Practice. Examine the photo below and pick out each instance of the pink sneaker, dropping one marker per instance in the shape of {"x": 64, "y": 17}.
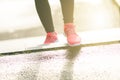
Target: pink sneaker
{"x": 51, "y": 38}
{"x": 72, "y": 37}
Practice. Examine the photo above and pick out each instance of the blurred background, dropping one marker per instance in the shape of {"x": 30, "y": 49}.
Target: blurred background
{"x": 19, "y": 19}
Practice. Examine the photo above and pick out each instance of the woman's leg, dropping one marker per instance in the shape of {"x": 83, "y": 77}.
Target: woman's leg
{"x": 44, "y": 12}
{"x": 69, "y": 27}
{"x": 67, "y": 10}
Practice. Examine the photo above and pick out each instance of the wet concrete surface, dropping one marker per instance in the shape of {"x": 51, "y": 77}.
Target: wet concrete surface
{"x": 75, "y": 63}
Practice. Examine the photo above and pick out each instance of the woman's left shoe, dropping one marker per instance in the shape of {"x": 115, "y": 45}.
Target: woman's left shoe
{"x": 73, "y": 38}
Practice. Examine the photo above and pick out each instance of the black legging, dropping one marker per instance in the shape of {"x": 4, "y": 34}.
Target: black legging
{"x": 44, "y": 12}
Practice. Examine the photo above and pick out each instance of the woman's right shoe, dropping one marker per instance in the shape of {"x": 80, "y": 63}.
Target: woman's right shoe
{"x": 51, "y": 37}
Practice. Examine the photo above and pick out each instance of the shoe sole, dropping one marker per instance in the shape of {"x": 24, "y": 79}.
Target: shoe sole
{"x": 52, "y": 42}
{"x": 72, "y": 45}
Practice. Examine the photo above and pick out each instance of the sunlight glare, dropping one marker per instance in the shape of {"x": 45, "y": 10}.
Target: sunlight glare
{"x": 92, "y": 1}
{"x": 100, "y": 18}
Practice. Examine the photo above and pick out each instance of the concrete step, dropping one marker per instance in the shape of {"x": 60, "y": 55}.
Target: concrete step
{"x": 36, "y": 43}
{"x": 75, "y": 63}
